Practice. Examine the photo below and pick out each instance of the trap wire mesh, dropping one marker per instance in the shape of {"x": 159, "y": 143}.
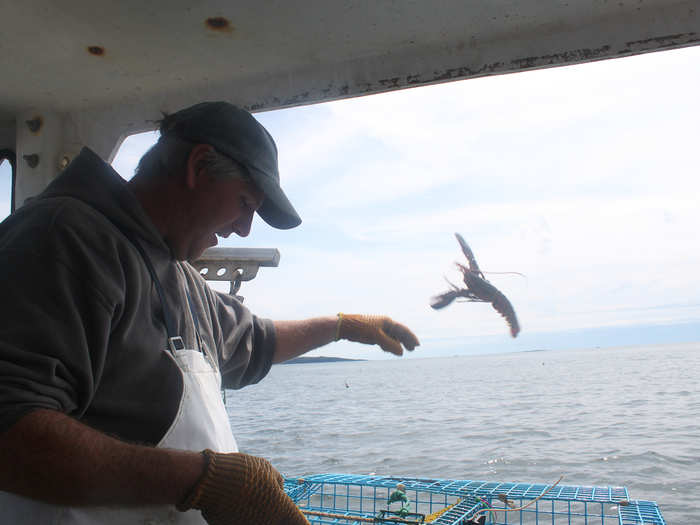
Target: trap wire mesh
{"x": 344, "y": 499}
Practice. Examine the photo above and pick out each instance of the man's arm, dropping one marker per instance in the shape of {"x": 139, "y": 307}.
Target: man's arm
{"x": 51, "y": 457}
{"x": 294, "y": 338}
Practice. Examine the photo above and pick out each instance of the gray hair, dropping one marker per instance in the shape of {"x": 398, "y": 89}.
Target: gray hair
{"x": 220, "y": 166}
{"x": 170, "y": 154}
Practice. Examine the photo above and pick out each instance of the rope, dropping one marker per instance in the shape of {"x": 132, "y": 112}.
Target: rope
{"x": 394, "y": 519}
{"x": 484, "y": 511}
{"x": 435, "y": 515}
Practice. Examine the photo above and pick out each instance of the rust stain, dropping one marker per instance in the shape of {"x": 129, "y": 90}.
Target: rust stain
{"x": 97, "y": 51}
{"x": 393, "y": 82}
{"x": 413, "y": 79}
{"x": 661, "y": 41}
{"x": 219, "y": 23}
{"x": 338, "y": 91}
{"x": 575, "y": 55}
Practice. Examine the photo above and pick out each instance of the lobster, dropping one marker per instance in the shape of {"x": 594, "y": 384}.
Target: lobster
{"x": 478, "y": 289}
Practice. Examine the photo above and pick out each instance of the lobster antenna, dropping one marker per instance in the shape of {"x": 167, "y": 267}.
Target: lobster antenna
{"x": 507, "y": 273}
{"x": 454, "y": 287}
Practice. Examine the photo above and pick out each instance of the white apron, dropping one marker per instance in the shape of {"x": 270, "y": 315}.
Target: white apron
{"x": 201, "y": 422}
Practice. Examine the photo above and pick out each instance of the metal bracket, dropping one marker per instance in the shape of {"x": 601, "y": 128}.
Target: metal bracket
{"x": 235, "y": 264}
{"x": 32, "y": 160}
{"x": 35, "y": 124}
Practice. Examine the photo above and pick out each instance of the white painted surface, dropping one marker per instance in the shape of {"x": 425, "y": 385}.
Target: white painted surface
{"x": 161, "y": 56}
{"x": 46, "y": 143}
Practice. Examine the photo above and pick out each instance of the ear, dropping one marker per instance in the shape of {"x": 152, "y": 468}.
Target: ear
{"x": 191, "y": 168}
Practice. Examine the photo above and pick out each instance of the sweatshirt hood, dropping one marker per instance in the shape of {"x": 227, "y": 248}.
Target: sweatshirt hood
{"x": 91, "y": 180}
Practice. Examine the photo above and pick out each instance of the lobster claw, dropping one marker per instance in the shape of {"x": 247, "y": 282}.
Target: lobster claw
{"x": 467, "y": 251}
{"x": 443, "y": 299}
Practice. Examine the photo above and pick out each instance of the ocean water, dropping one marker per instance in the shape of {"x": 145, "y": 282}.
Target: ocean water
{"x": 625, "y": 416}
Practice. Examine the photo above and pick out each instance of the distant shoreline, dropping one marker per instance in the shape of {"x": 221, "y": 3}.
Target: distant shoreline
{"x": 320, "y": 359}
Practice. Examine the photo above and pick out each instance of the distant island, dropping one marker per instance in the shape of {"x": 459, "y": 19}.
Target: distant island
{"x": 320, "y": 359}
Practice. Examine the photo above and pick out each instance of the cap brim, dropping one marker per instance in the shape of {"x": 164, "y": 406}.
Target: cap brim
{"x": 276, "y": 210}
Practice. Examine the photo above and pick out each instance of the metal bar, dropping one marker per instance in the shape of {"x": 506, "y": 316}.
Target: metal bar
{"x": 338, "y": 516}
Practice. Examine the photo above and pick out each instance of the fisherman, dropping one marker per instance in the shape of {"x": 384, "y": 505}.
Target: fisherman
{"x": 113, "y": 349}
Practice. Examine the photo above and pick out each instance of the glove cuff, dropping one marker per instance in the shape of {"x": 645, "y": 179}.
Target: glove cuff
{"x": 358, "y": 327}
{"x": 337, "y": 326}
{"x": 218, "y": 467}
{"x": 239, "y": 488}
{"x": 195, "y": 493}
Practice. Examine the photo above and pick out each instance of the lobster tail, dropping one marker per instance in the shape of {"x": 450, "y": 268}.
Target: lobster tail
{"x": 502, "y": 305}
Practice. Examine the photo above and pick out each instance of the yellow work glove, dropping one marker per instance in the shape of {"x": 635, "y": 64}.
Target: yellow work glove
{"x": 375, "y": 329}
{"x": 242, "y": 490}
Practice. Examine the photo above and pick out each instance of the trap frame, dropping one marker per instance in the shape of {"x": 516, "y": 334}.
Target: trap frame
{"x": 345, "y": 499}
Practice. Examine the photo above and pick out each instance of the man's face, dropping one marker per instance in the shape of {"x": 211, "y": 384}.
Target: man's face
{"x": 219, "y": 206}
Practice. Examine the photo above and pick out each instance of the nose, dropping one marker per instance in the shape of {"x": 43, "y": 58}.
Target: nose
{"x": 243, "y": 224}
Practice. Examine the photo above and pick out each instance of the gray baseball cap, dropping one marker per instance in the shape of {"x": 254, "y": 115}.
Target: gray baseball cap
{"x": 234, "y": 132}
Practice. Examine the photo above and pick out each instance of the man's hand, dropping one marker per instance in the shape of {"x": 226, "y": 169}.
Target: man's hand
{"x": 241, "y": 489}
{"x": 376, "y": 329}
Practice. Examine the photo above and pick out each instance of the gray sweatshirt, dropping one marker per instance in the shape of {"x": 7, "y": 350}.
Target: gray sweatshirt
{"x": 81, "y": 324}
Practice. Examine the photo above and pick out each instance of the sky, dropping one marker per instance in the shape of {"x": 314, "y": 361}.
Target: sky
{"x": 5, "y": 187}
{"x": 582, "y": 178}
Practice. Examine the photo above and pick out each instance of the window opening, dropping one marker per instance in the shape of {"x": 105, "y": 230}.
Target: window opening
{"x": 131, "y": 151}
{"x": 562, "y": 175}
{"x": 7, "y": 183}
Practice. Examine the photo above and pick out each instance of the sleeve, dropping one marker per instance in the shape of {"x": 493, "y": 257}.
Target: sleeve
{"x": 246, "y": 343}
{"x": 55, "y": 323}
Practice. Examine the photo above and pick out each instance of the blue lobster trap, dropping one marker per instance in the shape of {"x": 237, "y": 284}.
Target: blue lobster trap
{"x": 343, "y": 499}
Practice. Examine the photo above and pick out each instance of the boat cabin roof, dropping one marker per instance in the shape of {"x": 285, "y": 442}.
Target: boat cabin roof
{"x": 93, "y": 72}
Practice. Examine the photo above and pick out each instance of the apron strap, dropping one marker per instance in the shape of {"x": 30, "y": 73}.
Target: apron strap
{"x": 195, "y": 319}
{"x": 175, "y": 342}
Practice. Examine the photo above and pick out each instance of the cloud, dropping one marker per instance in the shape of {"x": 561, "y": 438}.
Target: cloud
{"x": 567, "y": 131}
